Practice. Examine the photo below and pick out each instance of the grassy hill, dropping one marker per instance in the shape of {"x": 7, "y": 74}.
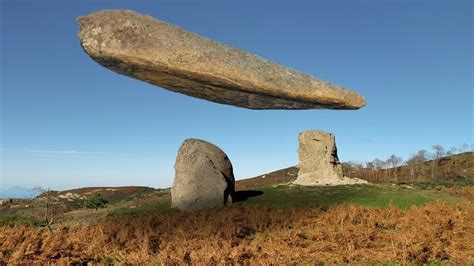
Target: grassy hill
{"x": 453, "y": 170}
{"x": 273, "y": 222}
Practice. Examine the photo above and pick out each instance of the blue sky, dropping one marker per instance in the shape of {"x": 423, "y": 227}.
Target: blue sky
{"x": 68, "y": 122}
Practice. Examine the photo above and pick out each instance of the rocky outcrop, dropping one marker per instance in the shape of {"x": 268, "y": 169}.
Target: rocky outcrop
{"x": 153, "y": 51}
{"x": 318, "y": 161}
{"x": 204, "y": 177}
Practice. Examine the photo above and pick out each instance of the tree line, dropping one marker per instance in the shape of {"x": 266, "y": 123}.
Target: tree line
{"x": 422, "y": 165}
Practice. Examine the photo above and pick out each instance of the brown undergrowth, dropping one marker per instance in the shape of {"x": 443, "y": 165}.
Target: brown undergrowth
{"x": 256, "y": 235}
{"x": 467, "y": 192}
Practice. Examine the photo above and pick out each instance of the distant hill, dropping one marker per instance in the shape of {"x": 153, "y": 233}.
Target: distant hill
{"x": 109, "y": 193}
{"x": 457, "y": 168}
{"x": 74, "y": 198}
{"x": 280, "y": 176}
{"x": 17, "y": 193}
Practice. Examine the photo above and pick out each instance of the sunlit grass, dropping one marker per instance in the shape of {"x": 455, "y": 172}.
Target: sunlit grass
{"x": 377, "y": 196}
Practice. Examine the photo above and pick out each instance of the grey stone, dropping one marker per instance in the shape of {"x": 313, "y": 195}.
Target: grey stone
{"x": 318, "y": 161}
{"x": 204, "y": 177}
{"x": 156, "y": 52}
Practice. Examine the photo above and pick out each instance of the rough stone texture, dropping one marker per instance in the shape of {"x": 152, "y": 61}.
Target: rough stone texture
{"x": 204, "y": 177}
{"x": 147, "y": 49}
{"x": 318, "y": 161}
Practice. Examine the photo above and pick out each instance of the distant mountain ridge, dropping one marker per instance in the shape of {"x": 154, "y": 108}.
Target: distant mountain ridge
{"x": 17, "y": 192}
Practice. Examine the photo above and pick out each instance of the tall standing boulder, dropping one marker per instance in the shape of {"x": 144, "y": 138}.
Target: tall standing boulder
{"x": 318, "y": 161}
{"x": 204, "y": 177}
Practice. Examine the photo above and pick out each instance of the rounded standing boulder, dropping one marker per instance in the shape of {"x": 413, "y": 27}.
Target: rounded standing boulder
{"x": 204, "y": 177}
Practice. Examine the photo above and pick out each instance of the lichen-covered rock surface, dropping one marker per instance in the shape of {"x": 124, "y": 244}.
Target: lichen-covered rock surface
{"x": 204, "y": 177}
{"x": 156, "y": 52}
{"x": 318, "y": 161}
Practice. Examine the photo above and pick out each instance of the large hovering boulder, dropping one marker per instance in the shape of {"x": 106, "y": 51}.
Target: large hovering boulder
{"x": 204, "y": 177}
{"x": 318, "y": 161}
{"x": 156, "y": 52}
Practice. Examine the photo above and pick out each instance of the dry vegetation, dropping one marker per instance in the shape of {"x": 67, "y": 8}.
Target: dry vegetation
{"x": 452, "y": 169}
{"x": 467, "y": 192}
{"x": 285, "y": 225}
{"x": 111, "y": 193}
{"x": 257, "y": 234}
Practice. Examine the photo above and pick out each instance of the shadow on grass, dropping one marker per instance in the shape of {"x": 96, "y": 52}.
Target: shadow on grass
{"x": 244, "y": 195}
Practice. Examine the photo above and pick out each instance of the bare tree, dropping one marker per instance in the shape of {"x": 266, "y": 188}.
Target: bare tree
{"x": 49, "y": 203}
{"x": 439, "y": 152}
{"x": 421, "y": 157}
{"x": 369, "y": 170}
{"x": 464, "y": 148}
{"x": 378, "y": 166}
{"x": 422, "y": 154}
{"x": 393, "y": 162}
{"x": 452, "y": 151}
{"x": 386, "y": 167}
{"x": 356, "y": 168}
{"x": 453, "y": 164}
{"x": 412, "y": 165}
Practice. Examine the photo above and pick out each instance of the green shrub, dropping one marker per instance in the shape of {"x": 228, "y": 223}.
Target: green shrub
{"x": 95, "y": 201}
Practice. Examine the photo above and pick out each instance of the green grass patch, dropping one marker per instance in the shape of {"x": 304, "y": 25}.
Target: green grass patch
{"x": 161, "y": 206}
{"x": 18, "y": 218}
{"x": 377, "y": 196}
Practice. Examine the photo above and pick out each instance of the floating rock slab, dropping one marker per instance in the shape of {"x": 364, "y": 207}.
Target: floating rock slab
{"x": 156, "y": 52}
{"x": 204, "y": 177}
{"x": 318, "y": 161}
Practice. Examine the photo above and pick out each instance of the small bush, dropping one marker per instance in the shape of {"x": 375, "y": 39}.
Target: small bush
{"x": 95, "y": 201}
